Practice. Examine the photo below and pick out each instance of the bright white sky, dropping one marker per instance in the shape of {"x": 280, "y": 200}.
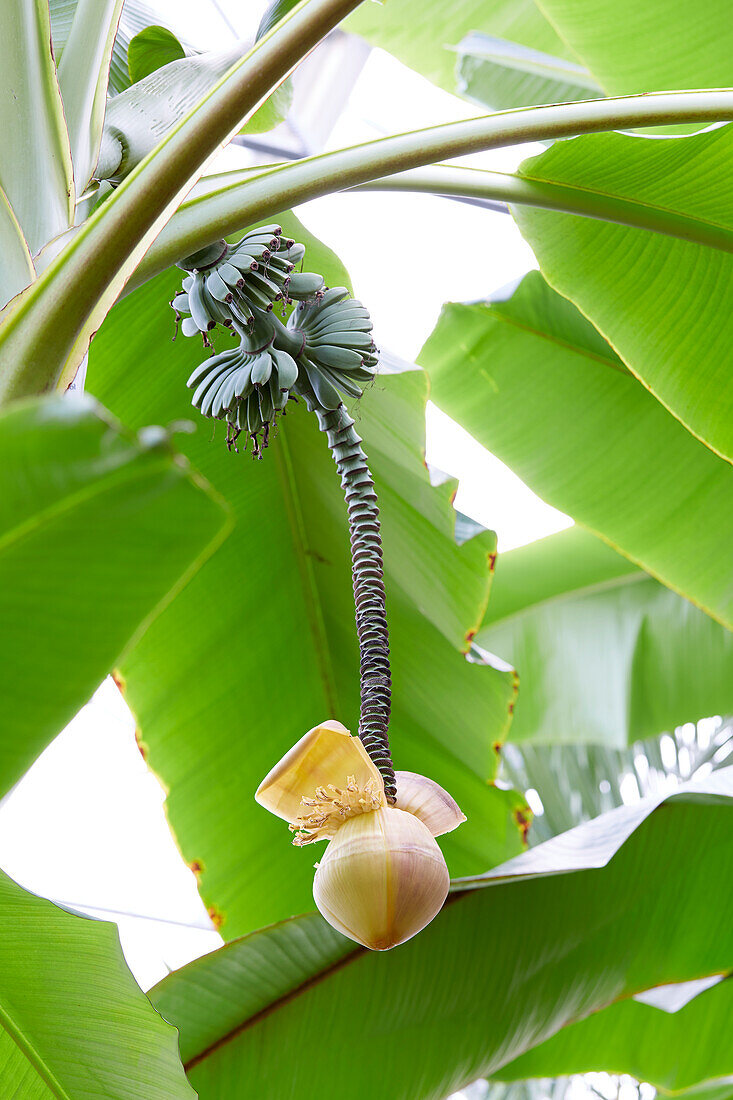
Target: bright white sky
{"x": 86, "y": 826}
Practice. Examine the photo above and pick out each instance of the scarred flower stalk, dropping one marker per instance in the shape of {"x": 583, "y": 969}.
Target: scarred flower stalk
{"x": 369, "y": 597}
{"x": 383, "y": 877}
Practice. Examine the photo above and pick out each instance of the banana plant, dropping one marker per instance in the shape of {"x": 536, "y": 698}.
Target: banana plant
{"x": 104, "y": 194}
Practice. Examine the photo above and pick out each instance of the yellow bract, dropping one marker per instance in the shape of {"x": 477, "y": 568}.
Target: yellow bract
{"x": 326, "y": 756}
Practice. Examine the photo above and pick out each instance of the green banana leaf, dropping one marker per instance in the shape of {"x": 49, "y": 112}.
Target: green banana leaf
{"x": 274, "y": 12}
{"x": 261, "y": 646}
{"x": 576, "y": 782}
{"x": 154, "y": 47}
{"x": 627, "y": 47}
{"x": 498, "y": 74}
{"x": 533, "y": 381}
{"x": 672, "y": 1050}
{"x": 660, "y": 45}
{"x": 150, "y": 49}
{"x": 35, "y": 158}
{"x": 83, "y": 75}
{"x": 75, "y": 1026}
{"x": 97, "y": 531}
{"x": 246, "y": 978}
{"x": 664, "y": 304}
{"x": 136, "y": 16}
{"x": 548, "y": 938}
{"x": 563, "y": 1088}
{"x": 713, "y": 1090}
{"x": 17, "y": 266}
{"x": 424, "y": 35}
{"x": 603, "y": 651}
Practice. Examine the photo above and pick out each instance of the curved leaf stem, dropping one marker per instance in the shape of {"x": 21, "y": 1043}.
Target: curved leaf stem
{"x": 266, "y": 193}
{"x": 473, "y": 183}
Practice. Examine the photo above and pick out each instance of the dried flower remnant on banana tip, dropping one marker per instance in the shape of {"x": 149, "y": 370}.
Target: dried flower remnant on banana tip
{"x": 382, "y": 877}
{"x": 323, "y": 351}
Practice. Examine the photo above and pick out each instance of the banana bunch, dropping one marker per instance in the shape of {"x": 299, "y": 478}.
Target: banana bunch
{"x": 337, "y": 353}
{"x": 247, "y": 386}
{"x": 250, "y": 275}
{"x": 324, "y": 351}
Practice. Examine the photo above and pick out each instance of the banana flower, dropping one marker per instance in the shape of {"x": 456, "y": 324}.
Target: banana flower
{"x": 382, "y": 877}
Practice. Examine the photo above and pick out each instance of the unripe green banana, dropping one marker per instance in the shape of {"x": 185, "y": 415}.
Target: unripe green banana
{"x": 198, "y": 305}
{"x": 245, "y": 262}
{"x": 337, "y": 313}
{"x": 343, "y": 382}
{"x": 180, "y": 303}
{"x": 231, "y": 276}
{"x": 208, "y": 367}
{"x": 205, "y": 393}
{"x": 278, "y": 396}
{"x": 294, "y": 254}
{"x": 286, "y": 368}
{"x": 209, "y": 388}
{"x": 359, "y": 341}
{"x": 362, "y": 375}
{"x": 349, "y": 321}
{"x": 257, "y": 297}
{"x": 218, "y": 288}
{"x": 267, "y": 287}
{"x": 326, "y": 393}
{"x": 254, "y": 421}
{"x": 267, "y": 409}
{"x": 224, "y": 395}
{"x": 331, "y": 297}
{"x": 278, "y": 263}
{"x": 337, "y": 346}
{"x": 261, "y": 369}
{"x": 341, "y": 358}
{"x": 262, "y": 231}
{"x": 244, "y": 380}
{"x": 241, "y": 312}
{"x": 304, "y": 285}
{"x": 334, "y": 334}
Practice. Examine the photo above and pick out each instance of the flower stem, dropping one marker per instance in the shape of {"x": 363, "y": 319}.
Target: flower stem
{"x": 369, "y": 598}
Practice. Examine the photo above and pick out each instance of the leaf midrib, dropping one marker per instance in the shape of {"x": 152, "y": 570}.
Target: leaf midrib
{"x": 30, "y": 1052}
{"x": 70, "y": 502}
{"x": 584, "y": 353}
{"x": 633, "y": 201}
{"x": 273, "y": 1006}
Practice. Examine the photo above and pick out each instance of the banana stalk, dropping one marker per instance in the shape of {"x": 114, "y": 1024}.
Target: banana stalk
{"x": 369, "y": 595}
{"x": 325, "y": 350}
{"x": 383, "y": 877}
